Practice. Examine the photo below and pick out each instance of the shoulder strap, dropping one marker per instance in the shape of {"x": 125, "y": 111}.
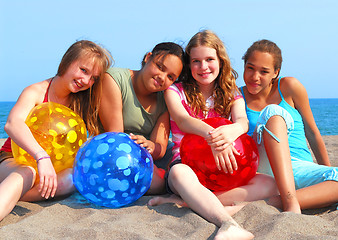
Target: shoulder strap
{"x": 46, "y": 95}
{"x": 280, "y": 92}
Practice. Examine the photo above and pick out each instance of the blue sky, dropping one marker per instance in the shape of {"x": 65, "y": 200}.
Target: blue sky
{"x": 35, "y": 34}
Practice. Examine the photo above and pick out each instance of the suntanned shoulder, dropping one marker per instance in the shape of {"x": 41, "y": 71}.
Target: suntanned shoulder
{"x": 291, "y": 86}
{"x": 37, "y": 90}
{"x": 293, "y": 90}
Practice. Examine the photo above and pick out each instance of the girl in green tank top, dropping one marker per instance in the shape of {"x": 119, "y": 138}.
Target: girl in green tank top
{"x": 132, "y": 102}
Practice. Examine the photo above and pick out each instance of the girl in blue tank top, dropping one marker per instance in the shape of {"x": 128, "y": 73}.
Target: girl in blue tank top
{"x": 281, "y": 123}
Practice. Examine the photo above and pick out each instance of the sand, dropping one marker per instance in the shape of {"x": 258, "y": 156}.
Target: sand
{"x": 75, "y": 218}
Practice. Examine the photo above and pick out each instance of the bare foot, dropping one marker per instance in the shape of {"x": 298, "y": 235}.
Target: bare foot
{"x": 171, "y": 199}
{"x": 232, "y": 231}
{"x": 292, "y": 204}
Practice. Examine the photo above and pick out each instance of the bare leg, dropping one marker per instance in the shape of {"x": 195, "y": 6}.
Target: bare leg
{"x": 184, "y": 182}
{"x": 65, "y": 187}
{"x": 16, "y": 180}
{"x": 280, "y": 161}
{"x": 320, "y": 195}
{"x": 157, "y": 184}
{"x": 259, "y": 187}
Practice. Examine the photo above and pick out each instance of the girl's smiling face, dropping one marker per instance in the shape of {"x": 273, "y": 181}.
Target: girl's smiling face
{"x": 259, "y": 71}
{"x": 82, "y": 74}
{"x": 204, "y": 64}
{"x": 161, "y": 71}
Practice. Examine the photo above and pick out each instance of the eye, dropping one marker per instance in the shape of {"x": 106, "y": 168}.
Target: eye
{"x": 171, "y": 78}
{"x": 159, "y": 66}
{"x": 195, "y": 61}
{"x": 210, "y": 59}
{"x": 83, "y": 70}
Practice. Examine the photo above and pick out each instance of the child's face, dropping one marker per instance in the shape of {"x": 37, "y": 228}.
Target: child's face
{"x": 159, "y": 73}
{"x": 259, "y": 71}
{"x": 204, "y": 64}
{"x": 82, "y": 74}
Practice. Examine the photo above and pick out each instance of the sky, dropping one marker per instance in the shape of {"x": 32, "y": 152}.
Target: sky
{"x": 35, "y": 34}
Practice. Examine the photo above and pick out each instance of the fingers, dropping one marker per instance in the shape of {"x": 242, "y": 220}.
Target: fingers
{"x": 48, "y": 186}
{"x": 226, "y": 161}
{"x": 222, "y": 147}
{"x": 218, "y": 165}
{"x": 234, "y": 150}
{"x": 139, "y": 139}
{"x": 233, "y": 162}
{"x": 142, "y": 141}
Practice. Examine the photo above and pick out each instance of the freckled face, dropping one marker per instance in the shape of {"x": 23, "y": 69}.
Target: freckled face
{"x": 82, "y": 74}
{"x": 204, "y": 64}
{"x": 259, "y": 71}
{"x": 159, "y": 73}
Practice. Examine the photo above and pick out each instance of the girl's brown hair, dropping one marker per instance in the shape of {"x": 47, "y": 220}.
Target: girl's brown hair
{"x": 225, "y": 84}
{"x": 86, "y": 103}
{"x": 266, "y": 46}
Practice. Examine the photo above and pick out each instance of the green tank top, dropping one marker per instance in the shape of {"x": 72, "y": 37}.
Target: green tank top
{"x": 136, "y": 119}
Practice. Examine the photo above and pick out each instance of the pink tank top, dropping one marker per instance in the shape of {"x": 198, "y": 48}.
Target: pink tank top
{"x": 177, "y": 134}
{"x": 7, "y": 147}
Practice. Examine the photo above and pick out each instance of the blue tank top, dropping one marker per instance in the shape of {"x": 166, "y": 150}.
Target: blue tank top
{"x": 297, "y": 140}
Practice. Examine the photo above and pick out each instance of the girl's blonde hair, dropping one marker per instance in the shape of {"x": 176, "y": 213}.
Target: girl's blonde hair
{"x": 86, "y": 103}
{"x": 225, "y": 84}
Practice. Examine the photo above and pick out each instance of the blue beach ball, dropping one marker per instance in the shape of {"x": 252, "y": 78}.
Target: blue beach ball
{"x": 111, "y": 170}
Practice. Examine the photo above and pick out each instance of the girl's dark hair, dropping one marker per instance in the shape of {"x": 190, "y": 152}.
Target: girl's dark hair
{"x": 165, "y": 48}
{"x": 266, "y": 46}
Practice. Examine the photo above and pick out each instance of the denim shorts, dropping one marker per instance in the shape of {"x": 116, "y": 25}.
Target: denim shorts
{"x": 166, "y": 176}
{"x": 5, "y": 155}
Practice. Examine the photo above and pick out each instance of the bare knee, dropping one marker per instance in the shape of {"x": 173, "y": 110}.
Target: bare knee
{"x": 276, "y": 122}
{"x": 27, "y": 173}
{"x": 65, "y": 182}
{"x": 265, "y": 184}
{"x": 182, "y": 173}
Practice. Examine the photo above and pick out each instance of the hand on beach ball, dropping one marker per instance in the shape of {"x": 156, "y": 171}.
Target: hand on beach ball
{"x": 111, "y": 170}
{"x": 58, "y": 130}
{"x": 196, "y": 153}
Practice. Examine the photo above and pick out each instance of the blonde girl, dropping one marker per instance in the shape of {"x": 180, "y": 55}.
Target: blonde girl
{"x": 208, "y": 89}
{"x": 76, "y": 85}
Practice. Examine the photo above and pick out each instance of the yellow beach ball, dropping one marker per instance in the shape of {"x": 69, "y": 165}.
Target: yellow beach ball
{"x": 58, "y": 130}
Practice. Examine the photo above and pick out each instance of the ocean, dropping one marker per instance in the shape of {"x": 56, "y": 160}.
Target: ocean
{"x": 324, "y": 112}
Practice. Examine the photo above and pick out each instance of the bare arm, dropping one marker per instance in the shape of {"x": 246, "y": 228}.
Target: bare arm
{"x": 16, "y": 127}
{"x": 222, "y": 136}
{"x": 19, "y": 132}
{"x": 111, "y": 105}
{"x": 184, "y": 121}
{"x": 301, "y": 103}
{"x": 157, "y": 145}
{"x": 160, "y": 136}
{"x": 223, "y": 158}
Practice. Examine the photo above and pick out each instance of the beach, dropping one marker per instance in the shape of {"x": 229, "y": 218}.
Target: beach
{"x": 75, "y": 218}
